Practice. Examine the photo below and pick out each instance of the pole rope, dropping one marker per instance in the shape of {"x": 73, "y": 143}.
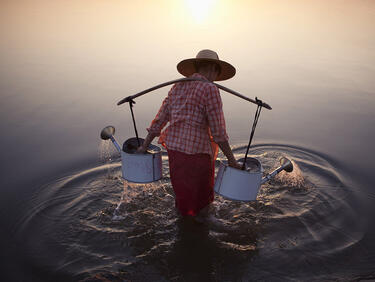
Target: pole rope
{"x": 131, "y": 102}
{"x": 255, "y": 122}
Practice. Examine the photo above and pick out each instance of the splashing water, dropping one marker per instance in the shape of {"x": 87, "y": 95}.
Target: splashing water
{"x": 270, "y": 161}
{"x": 130, "y": 192}
{"x": 293, "y": 179}
{"x": 116, "y": 213}
{"x": 107, "y": 155}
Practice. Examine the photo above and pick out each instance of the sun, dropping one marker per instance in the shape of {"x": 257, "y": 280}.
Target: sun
{"x": 200, "y": 9}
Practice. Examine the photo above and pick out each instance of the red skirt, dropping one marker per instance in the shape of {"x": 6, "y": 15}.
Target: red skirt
{"x": 192, "y": 178}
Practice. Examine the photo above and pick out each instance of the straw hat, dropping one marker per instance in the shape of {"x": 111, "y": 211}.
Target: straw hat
{"x": 188, "y": 67}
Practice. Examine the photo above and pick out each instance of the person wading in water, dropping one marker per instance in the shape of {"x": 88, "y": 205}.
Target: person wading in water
{"x": 196, "y": 130}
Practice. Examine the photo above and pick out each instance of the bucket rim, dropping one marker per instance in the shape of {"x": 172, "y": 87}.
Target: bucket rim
{"x": 132, "y": 141}
{"x": 224, "y": 163}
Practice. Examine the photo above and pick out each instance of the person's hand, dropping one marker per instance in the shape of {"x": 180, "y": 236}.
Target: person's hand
{"x": 141, "y": 150}
{"x": 235, "y": 164}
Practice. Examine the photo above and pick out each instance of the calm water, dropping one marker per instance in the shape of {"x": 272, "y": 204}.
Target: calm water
{"x": 64, "y": 67}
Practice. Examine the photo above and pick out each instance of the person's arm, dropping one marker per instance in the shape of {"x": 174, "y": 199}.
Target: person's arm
{"x": 224, "y": 146}
{"x": 143, "y": 148}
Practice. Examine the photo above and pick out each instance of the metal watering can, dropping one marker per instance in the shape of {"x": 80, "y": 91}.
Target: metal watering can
{"x": 138, "y": 168}
{"x": 243, "y": 185}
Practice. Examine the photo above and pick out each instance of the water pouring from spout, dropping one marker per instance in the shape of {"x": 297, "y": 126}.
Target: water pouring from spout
{"x": 108, "y": 133}
{"x": 286, "y": 165}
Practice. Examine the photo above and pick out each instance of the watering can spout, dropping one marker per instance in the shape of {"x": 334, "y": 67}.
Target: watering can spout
{"x": 286, "y": 165}
{"x": 108, "y": 132}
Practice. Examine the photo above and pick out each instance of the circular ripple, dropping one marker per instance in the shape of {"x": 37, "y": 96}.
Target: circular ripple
{"x": 92, "y": 225}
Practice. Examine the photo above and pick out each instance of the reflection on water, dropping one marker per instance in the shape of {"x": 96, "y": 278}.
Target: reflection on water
{"x": 104, "y": 228}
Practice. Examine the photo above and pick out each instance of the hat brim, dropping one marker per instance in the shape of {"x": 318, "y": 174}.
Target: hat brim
{"x": 187, "y": 68}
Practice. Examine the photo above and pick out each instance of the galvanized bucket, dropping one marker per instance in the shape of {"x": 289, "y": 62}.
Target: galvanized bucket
{"x": 141, "y": 168}
{"x": 237, "y": 184}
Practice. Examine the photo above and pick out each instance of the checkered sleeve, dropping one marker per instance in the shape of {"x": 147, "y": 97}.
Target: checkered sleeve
{"x": 215, "y": 115}
{"x": 161, "y": 118}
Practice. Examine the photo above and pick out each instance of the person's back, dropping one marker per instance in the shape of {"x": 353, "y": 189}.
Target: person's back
{"x": 194, "y": 108}
{"x": 194, "y": 112}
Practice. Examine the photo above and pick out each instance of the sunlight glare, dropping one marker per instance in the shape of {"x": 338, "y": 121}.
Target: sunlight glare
{"x": 200, "y": 8}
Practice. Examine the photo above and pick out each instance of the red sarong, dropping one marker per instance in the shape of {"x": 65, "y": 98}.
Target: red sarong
{"x": 192, "y": 178}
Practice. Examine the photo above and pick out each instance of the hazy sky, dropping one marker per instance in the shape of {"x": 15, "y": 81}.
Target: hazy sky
{"x": 147, "y": 38}
{"x": 86, "y": 53}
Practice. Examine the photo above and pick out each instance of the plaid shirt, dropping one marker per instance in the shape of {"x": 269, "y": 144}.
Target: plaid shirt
{"x": 194, "y": 111}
